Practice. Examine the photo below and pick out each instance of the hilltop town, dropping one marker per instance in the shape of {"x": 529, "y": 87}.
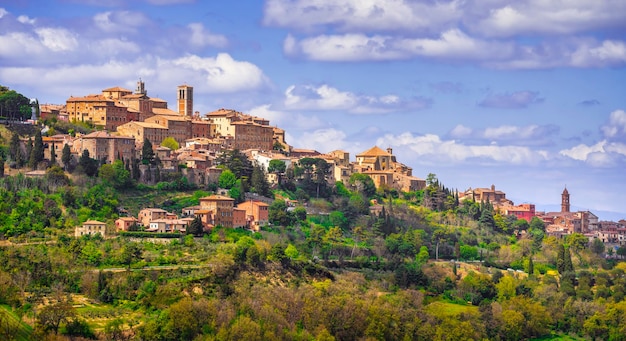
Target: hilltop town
{"x": 125, "y": 119}
{"x": 120, "y": 216}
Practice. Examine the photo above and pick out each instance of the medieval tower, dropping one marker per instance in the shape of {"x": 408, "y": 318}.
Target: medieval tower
{"x": 565, "y": 201}
{"x": 185, "y": 100}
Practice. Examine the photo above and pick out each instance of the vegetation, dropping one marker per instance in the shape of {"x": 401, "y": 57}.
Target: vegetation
{"x": 418, "y": 266}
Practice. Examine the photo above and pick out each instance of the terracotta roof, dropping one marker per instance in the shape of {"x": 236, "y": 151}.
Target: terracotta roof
{"x": 171, "y": 117}
{"x": 89, "y": 98}
{"x": 127, "y": 218}
{"x": 148, "y": 125}
{"x": 216, "y": 197}
{"x": 165, "y": 111}
{"x": 133, "y": 96}
{"x": 374, "y": 151}
{"x": 155, "y": 99}
{"x": 117, "y": 88}
{"x": 94, "y": 222}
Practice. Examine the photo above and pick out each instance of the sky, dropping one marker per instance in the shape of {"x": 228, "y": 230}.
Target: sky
{"x": 527, "y": 95}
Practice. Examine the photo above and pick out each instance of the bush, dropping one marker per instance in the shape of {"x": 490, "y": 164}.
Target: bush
{"x": 139, "y": 234}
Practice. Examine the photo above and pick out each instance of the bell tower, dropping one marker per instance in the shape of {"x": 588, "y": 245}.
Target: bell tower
{"x": 185, "y": 100}
{"x": 565, "y": 201}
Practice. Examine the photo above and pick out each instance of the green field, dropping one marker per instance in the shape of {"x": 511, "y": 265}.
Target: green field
{"x": 10, "y": 321}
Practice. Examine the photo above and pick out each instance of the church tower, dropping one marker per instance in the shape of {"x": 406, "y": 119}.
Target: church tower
{"x": 565, "y": 201}
{"x": 185, "y": 100}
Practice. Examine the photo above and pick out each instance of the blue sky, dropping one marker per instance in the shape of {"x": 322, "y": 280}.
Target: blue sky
{"x": 527, "y": 95}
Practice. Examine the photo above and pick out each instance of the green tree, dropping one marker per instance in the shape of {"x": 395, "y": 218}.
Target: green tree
{"x": 53, "y": 156}
{"x": 115, "y": 174}
{"x": 597, "y": 247}
{"x": 130, "y": 253}
{"x": 196, "y": 227}
{"x": 170, "y": 143}
{"x": 292, "y": 252}
{"x": 237, "y": 192}
{"x": 536, "y": 223}
{"x": 227, "y": 179}
{"x": 36, "y": 154}
{"x": 15, "y": 150}
{"x": 13, "y": 105}
{"x": 51, "y": 316}
{"x": 88, "y": 165}
{"x": 147, "y": 153}
{"x": 363, "y": 184}
{"x": 277, "y": 167}
{"x": 66, "y": 157}
{"x": 422, "y": 256}
{"x": 259, "y": 182}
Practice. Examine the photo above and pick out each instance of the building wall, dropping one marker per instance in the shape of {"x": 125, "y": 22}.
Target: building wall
{"x": 222, "y": 208}
{"x": 90, "y": 229}
{"x": 177, "y": 128}
{"x": 249, "y": 135}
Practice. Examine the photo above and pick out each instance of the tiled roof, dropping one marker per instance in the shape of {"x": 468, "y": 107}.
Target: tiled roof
{"x": 164, "y": 111}
{"x": 89, "y": 98}
{"x": 94, "y": 222}
{"x": 216, "y": 197}
{"x": 117, "y": 88}
{"x": 374, "y": 151}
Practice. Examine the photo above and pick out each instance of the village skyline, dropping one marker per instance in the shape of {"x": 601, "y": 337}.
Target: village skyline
{"x": 478, "y": 94}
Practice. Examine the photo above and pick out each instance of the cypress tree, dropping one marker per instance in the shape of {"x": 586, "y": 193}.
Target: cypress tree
{"x": 560, "y": 259}
{"x": 567, "y": 260}
{"x": 53, "y": 157}
{"x": 66, "y": 156}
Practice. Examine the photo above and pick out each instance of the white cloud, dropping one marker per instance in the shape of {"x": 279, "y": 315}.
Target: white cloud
{"x": 533, "y": 17}
{"x": 460, "y": 131}
{"x": 322, "y": 140}
{"x": 488, "y": 18}
{"x": 363, "y": 15}
{"x": 3, "y": 12}
{"x": 432, "y": 147}
{"x": 616, "y": 126}
{"x": 601, "y": 154}
{"x": 610, "y": 52}
{"x": 120, "y": 21}
{"x": 527, "y": 34}
{"x": 25, "y": 20}
{"x": 324, "y": 97}
{"x": 219, "y": 74}
{"x": 200, "y": 37}
{"x": 17, "y": 44}
{"x": 57, "y": 39}
{"x": 348, "y": 47}
{"x": 287, "y": 120}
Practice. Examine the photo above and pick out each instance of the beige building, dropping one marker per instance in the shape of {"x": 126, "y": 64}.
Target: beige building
{"x": 178, "y": 127}
{"x": 257, "y": 213}
{"x": 485, "y": 194}
{"x": 384, "y": 169}
{"x": 104, "y": 146}
{"x": 149, "y": 214}
{"x": 124, "y": 223}
{"x": 251, "y": 135}
{"x": 202, "y": 129}
{"x": 221, "y": 208}
{"x": 155, "y": 133}
{"x": 91, "y": 227}
{"x": 99, "y": 110}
